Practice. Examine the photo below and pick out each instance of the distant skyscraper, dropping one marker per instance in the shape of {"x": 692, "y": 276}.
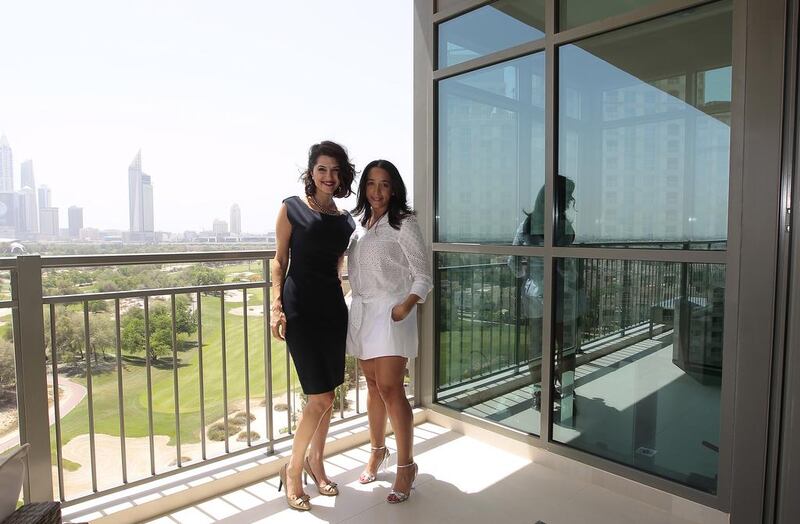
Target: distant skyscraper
{"x": 27, "y": 214}
{"x": 26, "y": 175}
{"x": 28, "y": 210}
{"x": 220, "y": 227}
{"x": 75, "y": 216}
{"x": 147, "y": 204}
{"x": 6, "y": 166}
{"x": 140, "y": 197}
{"x": 236, "y": 220}
{"x": 48, "y": 221}
{"x": 44, "y": 197}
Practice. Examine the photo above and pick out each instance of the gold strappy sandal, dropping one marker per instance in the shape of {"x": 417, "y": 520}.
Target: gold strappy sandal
{"x": 366, "y": 477}
{"x": 329, "y": 490}
{"x": 396, "y": 497}
{"x": 300, "y": 503}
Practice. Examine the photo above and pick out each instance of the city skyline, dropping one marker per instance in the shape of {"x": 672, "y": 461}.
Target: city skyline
{"x": 220, "y": 111}
{"x": 32, "y": 205}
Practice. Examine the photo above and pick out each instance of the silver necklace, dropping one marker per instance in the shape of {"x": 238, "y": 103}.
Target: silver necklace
{"x": 335, "y": 211}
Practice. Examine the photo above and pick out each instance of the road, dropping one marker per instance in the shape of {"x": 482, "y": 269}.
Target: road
{"x": 71, "y": 396}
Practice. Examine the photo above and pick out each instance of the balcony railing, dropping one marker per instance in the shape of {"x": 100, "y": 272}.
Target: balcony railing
{"x": 163, "y": 392}
{"x": 484, "y": 329}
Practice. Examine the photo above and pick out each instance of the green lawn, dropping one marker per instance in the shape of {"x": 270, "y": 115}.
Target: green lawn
{"x": 105, "y": 394}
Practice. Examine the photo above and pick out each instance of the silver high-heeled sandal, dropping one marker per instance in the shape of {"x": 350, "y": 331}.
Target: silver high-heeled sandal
{"x": 366, "y": 477}
{"x": 396, "y": 497}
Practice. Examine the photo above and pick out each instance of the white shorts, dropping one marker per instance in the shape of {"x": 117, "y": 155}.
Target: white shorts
{"x": 375, "y": 334}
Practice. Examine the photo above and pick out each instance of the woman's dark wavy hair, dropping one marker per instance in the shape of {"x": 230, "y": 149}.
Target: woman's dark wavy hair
{"x": 347, "y": 171}
{"x": 398, "y": 203}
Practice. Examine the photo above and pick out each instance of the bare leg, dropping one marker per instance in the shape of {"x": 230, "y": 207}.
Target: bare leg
{"x": 316, "y": 451}
{"x": 376, "y": 414}
{"x": 316, "y": 407}
{"x": 389, "y": 374}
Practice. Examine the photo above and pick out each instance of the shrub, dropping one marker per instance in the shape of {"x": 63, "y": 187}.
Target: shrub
{"x": 216, "y": 431}
{"x": 240, "y": 418}
{"x": 243, "y": 436}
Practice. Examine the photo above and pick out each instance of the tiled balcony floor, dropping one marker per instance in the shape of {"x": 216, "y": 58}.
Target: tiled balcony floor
{"x": 462, "y": 480}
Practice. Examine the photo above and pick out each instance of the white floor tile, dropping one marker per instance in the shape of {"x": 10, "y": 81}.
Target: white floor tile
{"x": 461, "y": 481}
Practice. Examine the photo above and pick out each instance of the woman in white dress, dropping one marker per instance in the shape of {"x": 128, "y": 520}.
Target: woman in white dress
{"x": 389, "y": 275}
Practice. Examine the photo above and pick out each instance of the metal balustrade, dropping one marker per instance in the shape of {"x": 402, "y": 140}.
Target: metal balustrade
{"x": 480, "y": 337}
{"x": 32, "y": 355}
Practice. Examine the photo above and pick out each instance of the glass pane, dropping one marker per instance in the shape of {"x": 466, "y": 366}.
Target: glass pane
{"x": 638, "y": 364}
{"x": 490, "y": 337}
{"x": 491, "y": 154}
{"x": 490, "y": 28}
{"x": 644, "y": 143}
{"x": 572, "y": 13}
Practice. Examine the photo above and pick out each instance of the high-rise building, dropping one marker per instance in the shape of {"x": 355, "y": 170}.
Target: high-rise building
{"x": 140, "y": 197}
{"x": 27, "y": 214}
{"x": 236, "y": 220}
{"x": 48, "y": 222}
{"x": 75, "y": 220}
{"x": 26, "y": 175}
{"x": 45, "y": 196}
{"x": 6, "y": 166}
{"x": 220, "y": 227}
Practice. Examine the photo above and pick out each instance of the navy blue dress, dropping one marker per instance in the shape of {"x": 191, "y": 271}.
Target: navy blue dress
{"x": 316, "y": 314}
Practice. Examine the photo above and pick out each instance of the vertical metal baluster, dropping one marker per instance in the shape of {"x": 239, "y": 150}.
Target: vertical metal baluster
{"x": 56, "y": 401}
{"x": 461, "y": 330}
{"x": 483, "y": 321}
{"x": 148, "y": 375}
{"x": 224, "y": 368}
{"x": 492, "y": 323}
{"x": 502, "y": 326}
{"x": 89, "y": 397}
{"x": 200, "y": 374}
{"x": 267, "y": 300}
{"x": 175, "y": 387}
{"x": 472, "y": 321}
{"x": 246, "y": 367}
{"x": 120, "y": 392}
{"x": 518, "y": 336}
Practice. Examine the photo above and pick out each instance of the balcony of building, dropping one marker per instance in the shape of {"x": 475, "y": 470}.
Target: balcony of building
{"x": 188, "y": 426}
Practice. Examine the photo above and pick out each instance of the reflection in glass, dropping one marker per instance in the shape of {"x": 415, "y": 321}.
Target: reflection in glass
{"x": 647, "y": 141}
{"x": 491, "y": 28}
{"x": 491, "y": 151}
{"x": 572, "y": 13}
{"x": 490, "y": 337}
{"x": 638, "y": 362}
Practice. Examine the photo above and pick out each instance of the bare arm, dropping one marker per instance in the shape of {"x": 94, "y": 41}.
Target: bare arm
{"x": 412, "y": 244}
{"x": 283, "y": 232}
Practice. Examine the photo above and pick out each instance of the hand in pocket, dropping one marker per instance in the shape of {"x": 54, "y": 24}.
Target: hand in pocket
{"x": 400, "y": 312}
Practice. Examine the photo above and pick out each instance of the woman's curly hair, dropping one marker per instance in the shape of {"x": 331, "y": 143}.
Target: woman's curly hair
{"x": 347, "y": 171}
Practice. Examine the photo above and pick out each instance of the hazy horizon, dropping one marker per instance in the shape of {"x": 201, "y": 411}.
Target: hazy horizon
{"x": 222, "y": 99}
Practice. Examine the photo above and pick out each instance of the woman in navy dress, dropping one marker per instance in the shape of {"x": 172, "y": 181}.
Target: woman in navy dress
{"x": 309, "y": 311}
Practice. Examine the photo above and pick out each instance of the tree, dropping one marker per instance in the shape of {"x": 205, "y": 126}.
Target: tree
{"x": 101, "y": 334}
{"x": 200, "y": 275}
{"x": 133, "y": 332}
{"x": 8, "y": 379}
{"x": 69, "y": 344}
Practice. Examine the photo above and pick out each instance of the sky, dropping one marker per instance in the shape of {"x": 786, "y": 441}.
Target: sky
{"x": 223, "y": 99}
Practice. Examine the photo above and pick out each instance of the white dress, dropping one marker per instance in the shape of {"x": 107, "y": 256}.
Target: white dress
{"x": 384, "y": 266}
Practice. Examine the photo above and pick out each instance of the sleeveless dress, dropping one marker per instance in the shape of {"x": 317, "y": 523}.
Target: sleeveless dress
{"x": 316, "y": 313}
